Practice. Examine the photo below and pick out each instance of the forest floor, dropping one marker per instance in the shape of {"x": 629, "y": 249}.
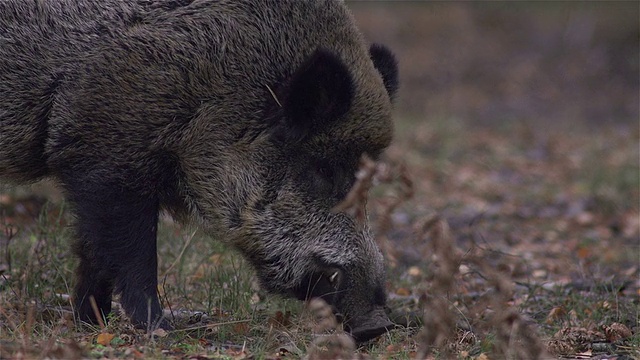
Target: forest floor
{"x": 508, "y": 209}
{"x": 512, "y": 241}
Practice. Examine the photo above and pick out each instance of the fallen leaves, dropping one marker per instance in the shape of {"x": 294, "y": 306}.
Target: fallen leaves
{"x": 280, "y": 319}
{"x": 104, "y": 339}
{"x": 616, "y": 331}
{"x": 159, "y": 332}
{"x": 584, "y": 342}
{"x": 555, "y": 314}
{"x": 66, "y": 349}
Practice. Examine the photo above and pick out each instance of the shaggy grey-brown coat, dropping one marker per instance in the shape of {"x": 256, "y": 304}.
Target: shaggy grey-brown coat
{"x": 245, "y": 117}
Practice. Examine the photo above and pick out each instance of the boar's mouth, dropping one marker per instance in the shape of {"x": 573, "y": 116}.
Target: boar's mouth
{"x": 368, "y": 326}
{"x": 332, "y": 285}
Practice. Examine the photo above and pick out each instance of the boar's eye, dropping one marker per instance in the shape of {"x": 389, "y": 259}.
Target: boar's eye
{"x": 326, "y": 173}
{"x": 329, "y": 181}
{"x": 324, "y": 178}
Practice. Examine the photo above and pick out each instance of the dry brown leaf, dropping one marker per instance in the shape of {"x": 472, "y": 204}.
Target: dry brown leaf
{"x": 236, "y": 354}
{"x": 104, "y": 338}
{"x": 241, "y": 328}
{"x": 559, "y": 347}
{"x": 555, "y": 314}
{"x": 159, "y": 332}
{"x": 616, "y": 331}
{"x": 414, "y": 271}
{"x": 66, "y": 349}
{"x": 403, "y": 292}
{"x": 583, "y": 252}
{"x": 584, "y": 355}
{"x": 216, "y": 259}
{"x": 280, "y": 319}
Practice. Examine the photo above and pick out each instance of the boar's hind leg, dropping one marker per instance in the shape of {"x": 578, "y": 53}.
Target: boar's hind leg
{"x": 117, "y": 250}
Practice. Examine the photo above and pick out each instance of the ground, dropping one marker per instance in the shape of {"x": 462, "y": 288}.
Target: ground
{"x": 507, "y": 209}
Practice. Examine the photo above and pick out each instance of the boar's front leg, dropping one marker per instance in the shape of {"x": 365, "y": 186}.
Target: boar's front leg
{"x": 116, "y": 244}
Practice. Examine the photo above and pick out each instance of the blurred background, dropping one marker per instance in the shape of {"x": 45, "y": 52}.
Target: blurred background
{"x": 518, "y": 123}
{"x": 493, "y": 62}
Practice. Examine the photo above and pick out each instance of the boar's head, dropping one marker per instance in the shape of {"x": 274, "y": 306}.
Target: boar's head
{"x": 324, "y": 117}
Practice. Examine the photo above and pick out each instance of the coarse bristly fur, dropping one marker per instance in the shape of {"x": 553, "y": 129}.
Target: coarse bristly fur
{"x": 245, "y": 117}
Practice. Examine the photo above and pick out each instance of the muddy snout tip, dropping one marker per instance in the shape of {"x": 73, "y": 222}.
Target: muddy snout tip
{"x": 370, "y": 326}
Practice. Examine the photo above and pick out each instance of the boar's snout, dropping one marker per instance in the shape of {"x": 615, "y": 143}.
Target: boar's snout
{"x": 361, "y": 306}
{"x": 370, "y": 325}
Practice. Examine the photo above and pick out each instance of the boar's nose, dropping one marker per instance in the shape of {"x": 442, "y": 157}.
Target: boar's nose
{"x": 370, "y": 325}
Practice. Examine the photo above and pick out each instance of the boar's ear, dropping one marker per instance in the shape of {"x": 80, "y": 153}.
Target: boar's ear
{"x": 318, "y": 93}
{"x": 384, "y": 60}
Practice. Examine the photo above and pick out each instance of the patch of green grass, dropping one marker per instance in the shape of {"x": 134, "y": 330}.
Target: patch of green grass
{"x": 590, "y": 306}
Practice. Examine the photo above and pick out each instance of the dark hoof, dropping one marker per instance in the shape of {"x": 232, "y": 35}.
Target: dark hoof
{"x": 161, "y": 323}
{"x": 370, "y": 326}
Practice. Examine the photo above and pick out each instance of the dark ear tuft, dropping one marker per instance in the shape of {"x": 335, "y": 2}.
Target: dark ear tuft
{"x": 318, "y": 93}
{"x": 384, "y": 60}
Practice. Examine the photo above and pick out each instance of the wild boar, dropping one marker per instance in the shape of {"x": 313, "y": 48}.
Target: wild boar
{"x": 244, "y": 117}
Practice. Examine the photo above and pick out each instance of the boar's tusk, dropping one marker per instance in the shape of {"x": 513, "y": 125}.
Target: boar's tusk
{"x": 333, "y": 277}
